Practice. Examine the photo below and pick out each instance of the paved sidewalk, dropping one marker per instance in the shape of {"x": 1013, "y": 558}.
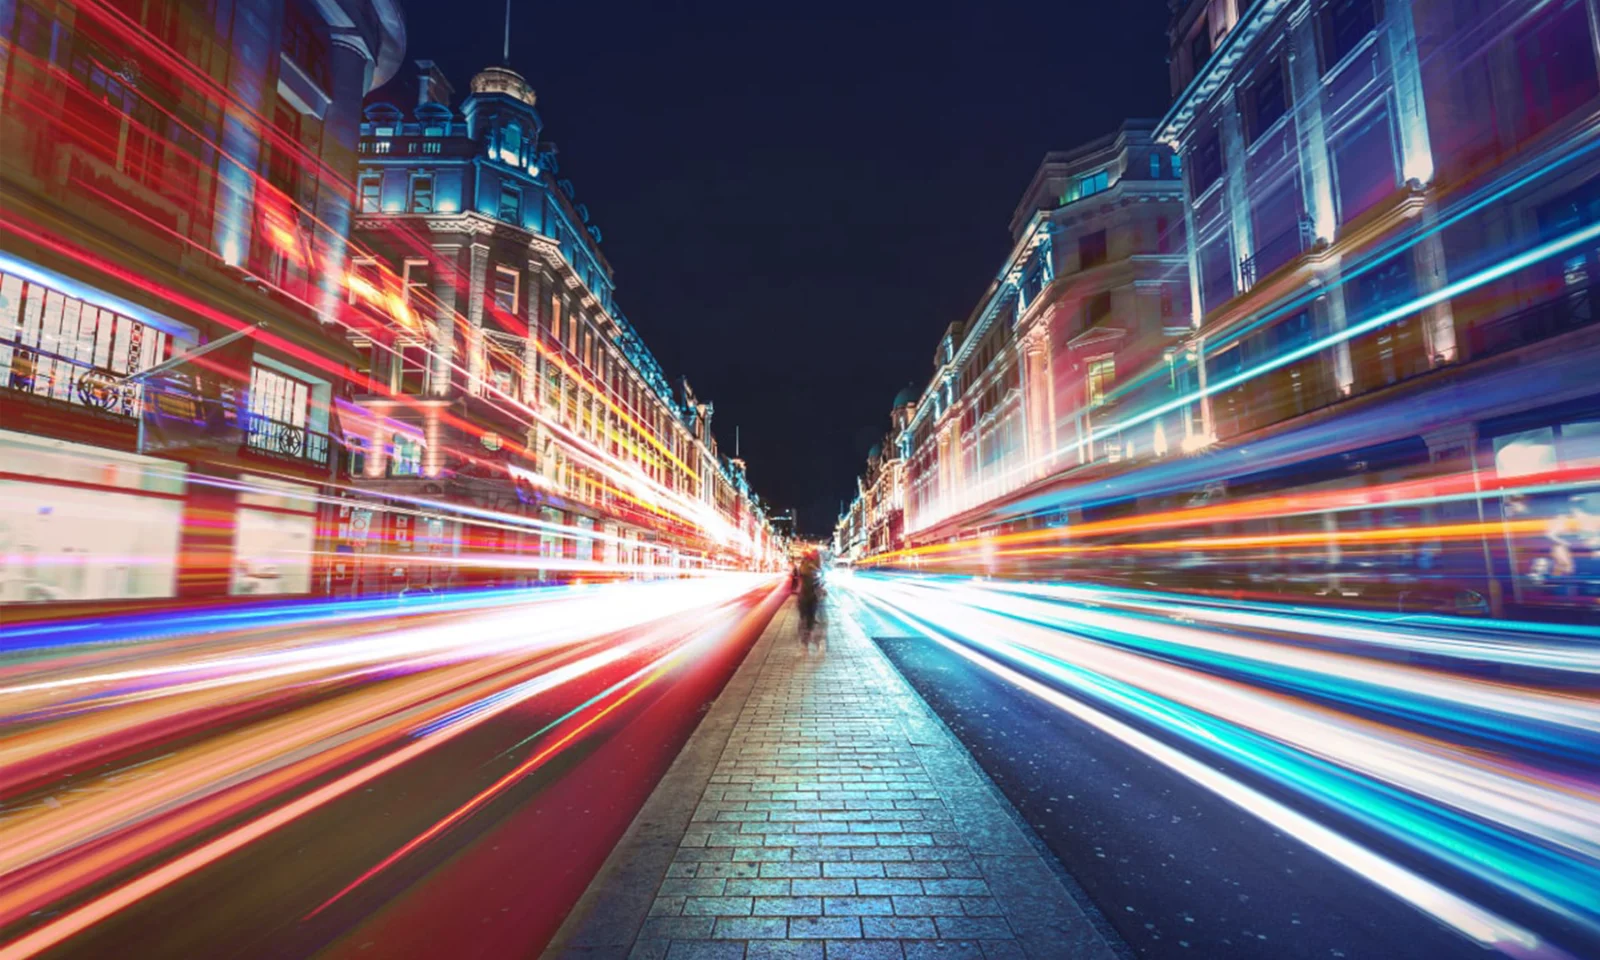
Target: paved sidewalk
{"x": 821, "y": 811}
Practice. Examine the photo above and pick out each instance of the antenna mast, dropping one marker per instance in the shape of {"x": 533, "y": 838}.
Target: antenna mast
{"x": 505, "y": 55}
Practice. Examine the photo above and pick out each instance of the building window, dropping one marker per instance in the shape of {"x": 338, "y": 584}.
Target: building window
{"x": 1177, "y": 166}
{"x": 1155, "y": 166}
{"x": 1206, "y": 167}
{"x": 511, "y": 143}
{"x": 1556, "y": 65}
{"x": 422, "y": 193}
{"x": 1345, "y": 23}
{"x": 1102, "y": 373}
{"x": 1093, "y": 183}
{"x": 1091, "y": 249}
{"x": 1364, "y": 167}
{"x": 1266, "y": 101}
{"x": 505, "y": 290}
{"x": 413, "y": 379}
{"x": 1216, "y": 272}
{"x": 510, "y": 204}
{"x": 416, "y": 280}
{"x": 1200, "y": 46}
{"x": 406, "y": 461}
{"x": 1275, "y": 220}
{"x": 278, "y": 397}
{"x": 1163, "y": 235}
{"x": 371, "y": 190}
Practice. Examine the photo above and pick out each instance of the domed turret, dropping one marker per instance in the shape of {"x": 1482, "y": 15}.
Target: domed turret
{"x": 905, "y": 396}
{"x": 504, "y": 81}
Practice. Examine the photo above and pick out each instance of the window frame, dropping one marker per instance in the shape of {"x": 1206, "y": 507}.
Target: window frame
{"x": 375, "y": 180}
{"x": 514, "y": 192}
{"x": 1100, "y": 373}
{"x": 412, "y": 194}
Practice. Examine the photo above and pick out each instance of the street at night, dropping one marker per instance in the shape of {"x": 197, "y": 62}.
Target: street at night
{"x": 973, "y": 482}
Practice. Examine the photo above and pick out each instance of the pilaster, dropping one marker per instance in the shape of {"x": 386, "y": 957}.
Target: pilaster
{"x": 446, "y": 268}
{"x": 476, "y": 280}
{"x": 350, "y": 69}
{"x": 1234, "y": 174}
{"x": 1305, "y": 86}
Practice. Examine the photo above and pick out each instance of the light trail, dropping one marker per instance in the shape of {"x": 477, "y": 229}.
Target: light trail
{"x": 1480, "y": 777}
{"x": 275, "y": 719}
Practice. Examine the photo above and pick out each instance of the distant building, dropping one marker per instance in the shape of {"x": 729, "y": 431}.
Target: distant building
{"x": 500, "y": 372}
{"x": 1094, "y": 291}
{"x": 874, "y": 523}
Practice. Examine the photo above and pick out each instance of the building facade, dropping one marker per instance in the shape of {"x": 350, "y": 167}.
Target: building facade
{"x": 500, "y": 372}
{"x": 1385, "y": 199}
{"x": 1374, "y": 382}
{"x": 1091, "y": 298}
{"x": 174, "y": 176}
{"x": 874, "y": 523}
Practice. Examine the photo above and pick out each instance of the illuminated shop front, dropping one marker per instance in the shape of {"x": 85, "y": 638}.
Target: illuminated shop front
{"x": 85, "y": 523}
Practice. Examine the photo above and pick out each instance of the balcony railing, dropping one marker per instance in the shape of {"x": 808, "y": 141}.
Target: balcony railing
{"x": 286, "y": 441}
{"x": 1276, "y": 251}
{"x": 40, "y": 373}
{"x": 1572, "y": 309}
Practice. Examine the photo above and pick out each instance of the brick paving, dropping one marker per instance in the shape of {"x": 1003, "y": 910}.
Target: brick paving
{"x": 822, "y": 813}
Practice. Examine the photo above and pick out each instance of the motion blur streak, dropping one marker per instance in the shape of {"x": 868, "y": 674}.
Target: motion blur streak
{"x": 169, "y": 751}
{"x": 1467, "y": 783}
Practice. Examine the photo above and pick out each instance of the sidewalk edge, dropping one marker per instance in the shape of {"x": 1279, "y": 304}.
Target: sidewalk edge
{"x": 606, "y": 920}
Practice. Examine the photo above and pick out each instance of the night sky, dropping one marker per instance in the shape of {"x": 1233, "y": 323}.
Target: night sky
{"x": 797, "y": 201}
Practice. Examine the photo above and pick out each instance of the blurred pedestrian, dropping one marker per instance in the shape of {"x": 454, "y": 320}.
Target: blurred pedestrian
{"x": 810, "y": 597}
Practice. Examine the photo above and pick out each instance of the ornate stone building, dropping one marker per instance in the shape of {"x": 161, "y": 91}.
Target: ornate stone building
{"x": 1090, "y": 299}
{"x": 501, "y": 373}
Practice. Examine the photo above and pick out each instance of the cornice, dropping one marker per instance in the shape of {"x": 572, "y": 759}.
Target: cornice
{"x": 1216, "y": 71}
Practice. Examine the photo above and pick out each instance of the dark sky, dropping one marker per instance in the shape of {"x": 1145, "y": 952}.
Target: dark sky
{"x": 798, "y": 198}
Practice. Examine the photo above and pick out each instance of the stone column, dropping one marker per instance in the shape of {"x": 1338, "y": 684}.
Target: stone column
{"x": 1411, "y": 110}
{"x": 532, "y": 378}
{"x": 1438, "y": 321}
{"x": 1316, "y": 179}
{"x": 446, "y": 270}
{"x": 350, "y": 70}
{"x": 1038, "y": 422}
{"x": 1305, "y": 86}
{"x": 1329, "y": 311}
{"x": 1234, "y": 183}
{"x": 253, "y": 29}
{"x": 475, "y": 284}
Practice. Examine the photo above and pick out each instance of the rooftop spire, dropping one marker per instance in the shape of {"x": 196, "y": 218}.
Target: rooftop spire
{"x": 505, "y": 55}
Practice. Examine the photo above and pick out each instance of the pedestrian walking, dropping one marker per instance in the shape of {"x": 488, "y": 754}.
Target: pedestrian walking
{"x": 810, "y": 598}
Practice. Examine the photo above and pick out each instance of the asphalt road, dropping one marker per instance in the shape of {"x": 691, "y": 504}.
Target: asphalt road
{"x": 1177, "y": 871}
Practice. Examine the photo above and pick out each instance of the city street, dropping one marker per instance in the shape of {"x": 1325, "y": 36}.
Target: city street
{"x": 728, "y": 481}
